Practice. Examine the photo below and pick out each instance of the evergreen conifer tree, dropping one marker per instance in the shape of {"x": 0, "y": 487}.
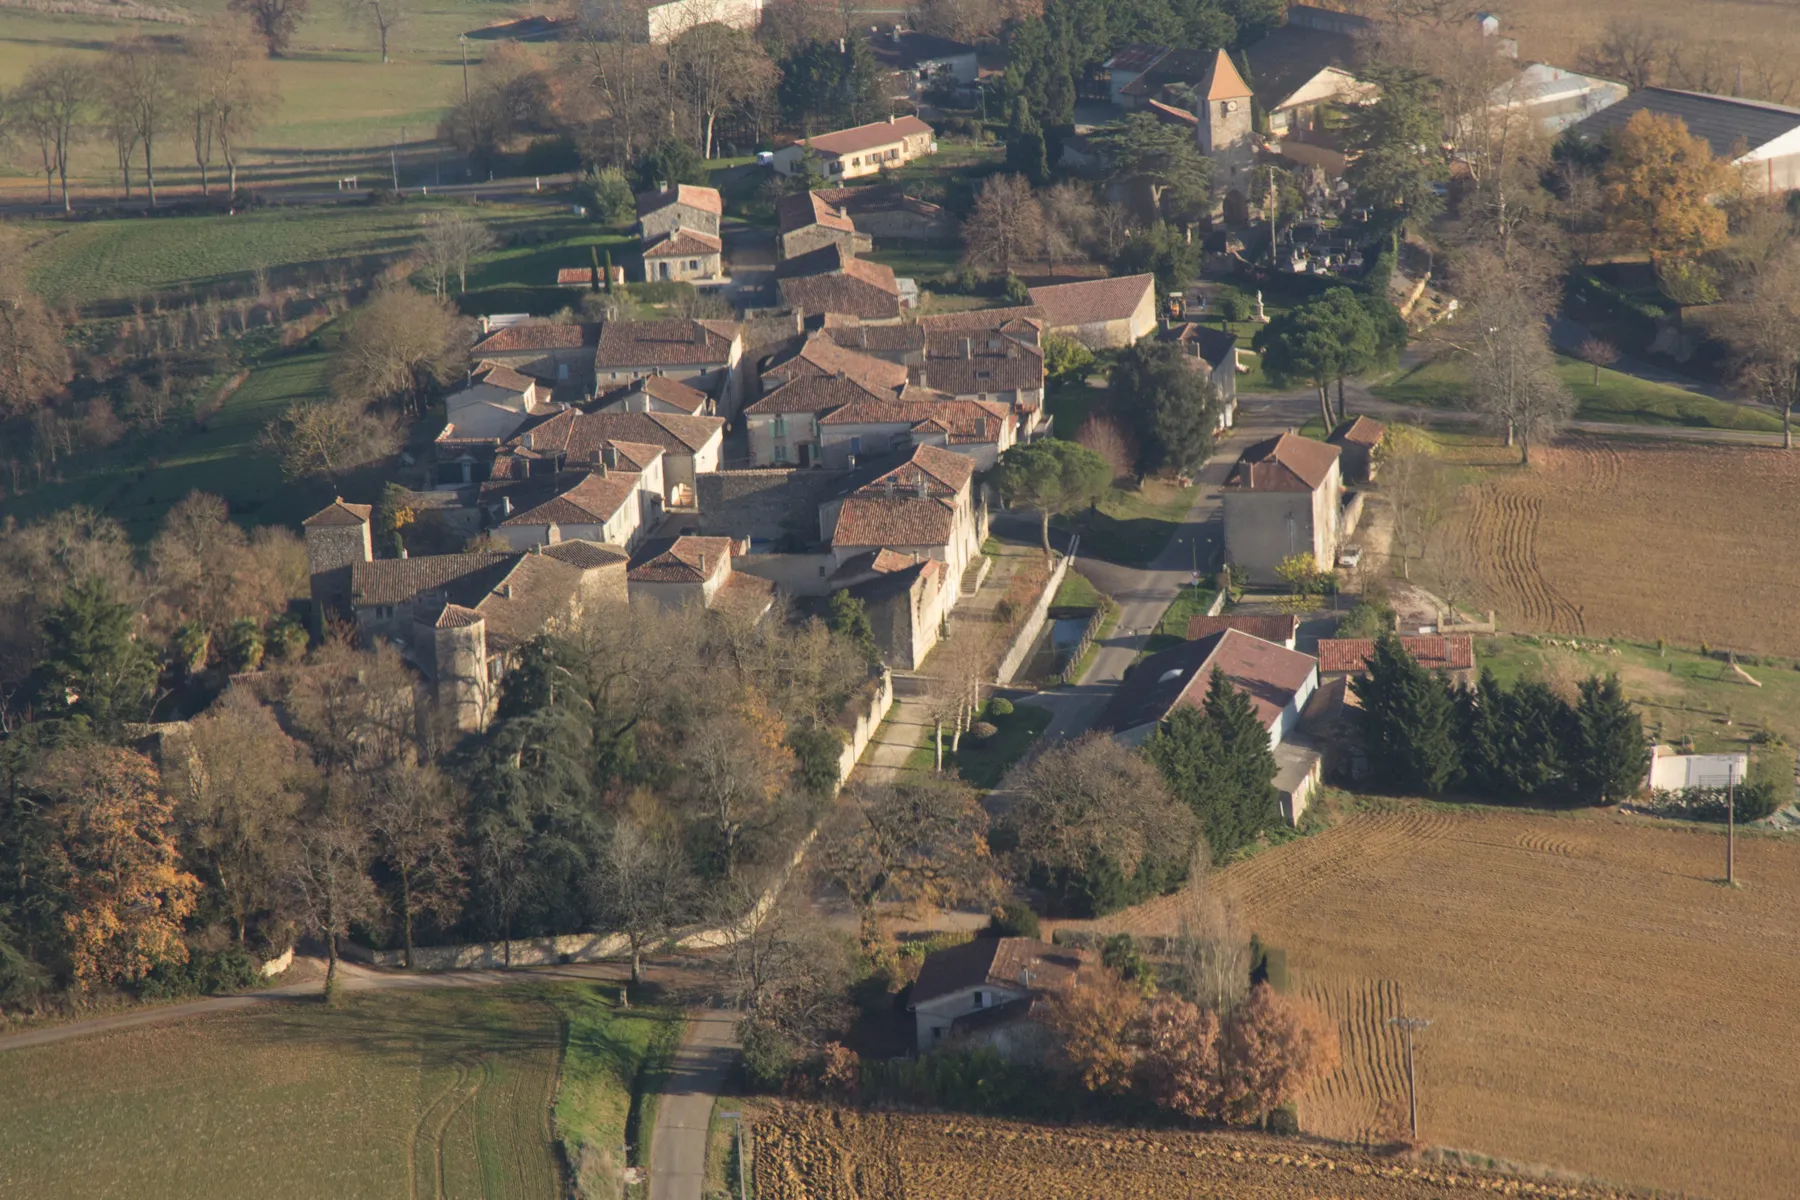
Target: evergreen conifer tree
{"x": 1612, "y": 758}
{"x": 1409, "y": 720}
{"x": 1216, "y": 759}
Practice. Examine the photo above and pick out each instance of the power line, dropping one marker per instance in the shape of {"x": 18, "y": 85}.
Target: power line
{"x": 1411, "y": 1025}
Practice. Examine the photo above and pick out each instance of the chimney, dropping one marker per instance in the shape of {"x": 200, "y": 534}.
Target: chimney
{"x": 609, "y": 456}
{"x": 897, "y": 32}
{"x": 968, "y": 348}
{"x": 703, "y": 566}
{"x": 484, "y": 326}
{"x": 403, "y": 552}
{"x": 924, "y": 492}
{"x": 699, "y": 334}
{"x": 662, "y": 185}
{"x": 506, "y": 506}
{"x": 527, "y": 440}
{"x": 922, "y": 377}
{"x": 890, "y": 118}
{"x": 506, "y": 591}
{"x": 888, "y": 487}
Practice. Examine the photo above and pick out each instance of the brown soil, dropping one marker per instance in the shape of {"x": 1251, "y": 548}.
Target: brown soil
{"x": 1617, "y": 540}
{"x": 811, "y": 1152}
{"x": 1601, "y": 1002}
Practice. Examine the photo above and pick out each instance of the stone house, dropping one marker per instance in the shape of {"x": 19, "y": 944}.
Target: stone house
{"x": 907, "y": 598}
{"x": 1278, "y": 681}
{"x": 806, "y": 221}
{"x": 1358, "y": 438}
{"x": 980, "y": 431}
{"x": 684, "y": 256}
{"x": 988, "y": 990}
{"x": 926, "y": 506}
{"x": 610, "y": 504}
{"x": 705, "y": 355}
{"x": 800, "y": 389}
{"x": 888, "y": 212}
{"x": 829, "y": 281}
{"x": 657, "y": 394}
{"x": 1101, "y": 314}
{"x": 1213, "y": 353}
{"x": 698, "y": 571}
{"x": 1283, "y": 497}
{"x": 552, "y": 353}
{"x": 682, "y": 207}
{"x": 458, "y": 618}
{"x": 572, "y": 440}
{"x": 864, "y": 150}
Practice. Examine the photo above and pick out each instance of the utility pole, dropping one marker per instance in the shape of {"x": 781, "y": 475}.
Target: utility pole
{"x": 1274, "y": 216}
{"x": 1411, "y": 1025}
{"x": 1731, "y": 825}
{"x": 464, "y": 39}
{"x": 394, "y": 166}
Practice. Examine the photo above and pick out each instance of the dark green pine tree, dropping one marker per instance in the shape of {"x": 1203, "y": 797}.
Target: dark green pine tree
{"x": 93, "y": 665}
{"x": 1481, "y": 730}
{"x": 1187, "y": 752}
{"x": 1539, "y": 728}
{"x": 1246, "y": 764}
{"x": 1612, "y": 757}
{"x": 1026, "y": 151}
{"x": 1409, "y": 721}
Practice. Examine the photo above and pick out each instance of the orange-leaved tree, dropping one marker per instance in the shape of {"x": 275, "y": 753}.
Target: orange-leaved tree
{"x": 1180, "y": 1067}
{"x": 116, "y": 861}
{"x": 1273, "y": 1047}
{"x": 1658, "y": 186}
{"x": 1096, "y": 1023}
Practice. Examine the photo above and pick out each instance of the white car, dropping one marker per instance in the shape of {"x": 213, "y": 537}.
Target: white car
{"x": 1349, "y": 556}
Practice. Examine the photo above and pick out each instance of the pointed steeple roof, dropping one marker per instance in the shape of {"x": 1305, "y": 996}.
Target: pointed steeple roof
{"x": 1223, "y": 82}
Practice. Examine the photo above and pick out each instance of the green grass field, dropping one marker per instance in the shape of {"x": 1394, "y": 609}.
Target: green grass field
{"x": 1131, "y": 526}
{"x": 1617, "y": 397}
{"x": 416, "y": 1094}
{"x": 984, "y": 764}
{"x": 1171, "y": 630}
{"x": 1677, "y": 692}
{"x": 614, "y": 1060}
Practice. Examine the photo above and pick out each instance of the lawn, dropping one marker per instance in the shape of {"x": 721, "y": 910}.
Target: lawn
{"x": 1131, "y": 526}
{"x": 444, "y": 1092}
{"x": 1171, "y": 630}
{"x": 1617, "y": 397}
{"x": 984, "y": 764}
{"x": 1069, "y": 400}
{"x": 614, "y": 1064}
{"x": 921, "y": 261}
{"x": 1677, "y": 692}
{"x": 1077, "y": 592}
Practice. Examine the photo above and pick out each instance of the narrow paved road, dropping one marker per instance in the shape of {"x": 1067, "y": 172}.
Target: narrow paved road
{"x": 684, "y": 1114}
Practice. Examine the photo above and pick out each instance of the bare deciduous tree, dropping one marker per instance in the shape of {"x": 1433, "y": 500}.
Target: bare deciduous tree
{"x": 401, "y": 346}
{"x": 1005, "y": 226}
{"x": 642, "y": 888}
{"x": 1512, "y": 368}
{"x": 452, "y": 238}
{"x": 1417, "y": 490}
{"x": 140, "y": 87}
{"x": 329, "y": 873}
{"x": 326, "y": 438}
{"x": 385, "y": 15}
{"x": 412, "y": 812}
{"x": 274, "y": 20}
{"x": 50, "y": 106}
{"x": 1069, "y": 217}
{"x": 1766, "y": 339}
{"x": 232, "y": 90}
{"x": 720, "y": 68}
{"x": 1632, "y": 51}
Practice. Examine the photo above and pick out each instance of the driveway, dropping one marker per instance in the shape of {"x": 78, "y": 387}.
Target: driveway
{"x": 750, "y": 261}
{"x": 684, "y": 1112}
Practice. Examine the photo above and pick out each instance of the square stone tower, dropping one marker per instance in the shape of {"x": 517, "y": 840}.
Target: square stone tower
{"x": 337, "y": 538}
{"x": 1226, "y": 125}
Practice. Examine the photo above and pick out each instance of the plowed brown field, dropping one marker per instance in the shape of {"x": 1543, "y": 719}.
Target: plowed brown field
{"x": 1649, "y": 541}
{"x": 809, "y": 1152}
{"x": 1603, "y": 1005}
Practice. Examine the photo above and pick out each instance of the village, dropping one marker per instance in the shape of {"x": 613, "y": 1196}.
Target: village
{"x": 932, "y": 580}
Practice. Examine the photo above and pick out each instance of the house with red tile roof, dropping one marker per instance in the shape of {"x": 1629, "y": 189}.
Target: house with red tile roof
{"x": 657, "y": 394}
{"x": 607, "y": 505}
{"x": 1282, "y": 630}
{"x": 494, "y": 402}
{"x": 705, "y": 355}
{"x": 1277, "y": 680}
{"x": 575, "y": 440}
{"x": 1358, "y": 438}
{"x": 552, "y": 352}
{"x": 684, "y": 256}
{"x": 993, "y": 991}
{"x": 1283, "y": 497}
{"x": 831, "y": 281}
{"x": 698, "y": 571}
{"x": 864, "y": 150}
{"x": 1101, "y": 314}
{"x": 907, "y": 598}
{"x": 925, "y": 506}
{"x": 684, "y": 206}
{"x": 807, "y": 221}
{"x": 1452, "y": 653}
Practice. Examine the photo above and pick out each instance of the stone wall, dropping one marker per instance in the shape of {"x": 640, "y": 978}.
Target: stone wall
{"x": 862, "y": 724}
{"x": 766, "y": 504}
{"x": 1020, "y": 649}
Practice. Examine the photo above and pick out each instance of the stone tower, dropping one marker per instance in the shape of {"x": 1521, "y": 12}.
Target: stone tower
{"x": 459, "y": 650}
{"x": 337, "y": 538}
{"x": 1225, "y": 127}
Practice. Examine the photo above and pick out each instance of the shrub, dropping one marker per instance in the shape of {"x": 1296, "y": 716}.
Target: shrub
{"x": 1016, "y": 291}
{"x": 981, "y": 731}
{"x": 818, "y": 751}
{"x": 840, "y": 1071}
{"x": 287, "y": 640}
{"x": 1013, "y": 919}
{"x": 244, "y": 645}
{"x": 205, "y": 973}
{"x": 768, "y": 1054}
{"x": 1284, "y": 1120}
{"x": 1233, "y": 305}
{"x": 1121, "y": 955}
{"x": 999, "y": 707}
{"x": 1366, "y": 619}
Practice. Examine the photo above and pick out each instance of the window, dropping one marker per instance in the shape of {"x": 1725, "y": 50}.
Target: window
{"x": 780, "y": 452}
{"x": 693, "y": 264}
{"x": 562, "y": 370}
{"x": 984, "y": 374}
{"x": 780, "y": 426}
{"x": 856, "y": 445}
{"x": 981, "y": 999}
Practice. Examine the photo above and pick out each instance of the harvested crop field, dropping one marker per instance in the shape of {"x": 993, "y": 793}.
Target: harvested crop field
{"x": 1636, "y": 540}
{"x": 407, "y": 1094}
{"x": 1602, "y": 1004}
{"x": 811, "y": 1152}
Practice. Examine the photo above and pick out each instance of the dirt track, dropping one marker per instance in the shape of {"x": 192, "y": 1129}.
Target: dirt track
{"x": 1602, "y": 1003}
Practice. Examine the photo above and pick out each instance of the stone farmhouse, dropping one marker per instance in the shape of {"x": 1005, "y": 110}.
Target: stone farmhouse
{"x": 1101, "y": 314}
{"x": 830, "y": 280}
{"x": 698, "y": 571}
{"x": 705, "y": 355}
{"x": 1283, "y": 497}
{"x": 927, "y": 506}
{"x": 553, "y": 354}
{"x": 807, "y": 221}
{"x": 679, "y": 227}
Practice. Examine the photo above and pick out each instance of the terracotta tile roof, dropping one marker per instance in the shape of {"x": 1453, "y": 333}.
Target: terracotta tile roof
{"x": 999, "y": 962}
{"x": 578, "y": 434}
{"x": 908, "y": 337}
{"x": 1287, "y": 463}
{"x": 827, "y": 280}
{"x": 868, "y": 137}
{"x": 899, "y": 520}
{"x": 637, "y": 456}
{"x": 961, "y": 421}
{"x": 746, "y": 597}
{"x": 672, "y": 391}
{"x": 814, "y": 394}
{"x": 1434, "y": 652}
{"x": 566, "y": 276}
{"x": 683, "y": 242}
{"x": 820, "y": 354}
{"x": 855, "y": 200}
{"x": 1136, "y": 58}
{"x": 591, "y": 500}
{"x": 501, "y": 375}
{"x": 678, "y": 342}
{"x": 455, "y": 616}
{"x": 537, "y": 335}
{"x": 1222, "y": 81}
{"x": 1168, "y": 112}
{"x": 1358, "y": 431}
{"x": 885, "y": 561}
{"x": 803, "y": 209}
{"x": 339, "y": 512}
{"x": 1270, "y": 674}
{"x": 587, "y": 556}
{"x": 995, "y": 363}
{"x": 692, "y": 195}
{"x": 462, "y": 577}
{"x": 974, "y": 319}
{"x": 688, "y": 560}
{"x": 1269, "y": 629}
{"x": 538, "y": 589}
{"x": 1092, "y": 300}
{"x": 948, "y": 472}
